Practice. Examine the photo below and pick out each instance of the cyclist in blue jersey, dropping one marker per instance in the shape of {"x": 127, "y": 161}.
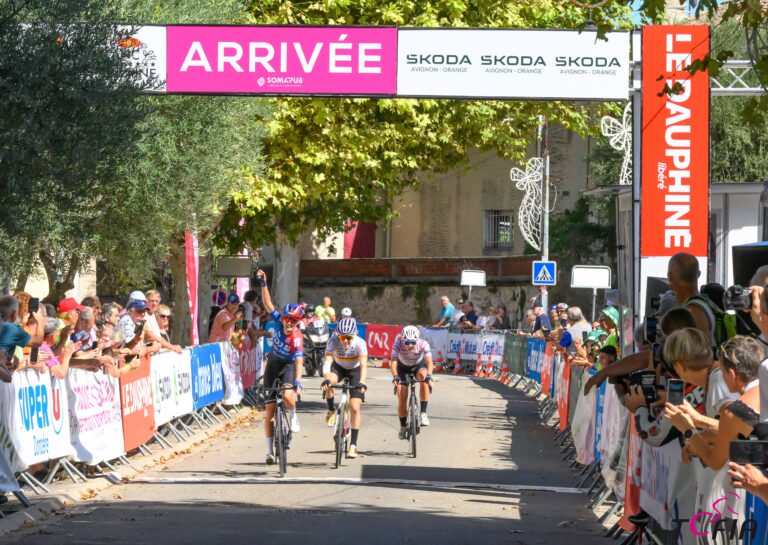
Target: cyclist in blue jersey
{"x": 285, "y": 362}
{"x": 411, "y": 355}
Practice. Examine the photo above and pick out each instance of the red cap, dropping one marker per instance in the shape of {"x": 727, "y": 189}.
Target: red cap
{"x": 69, "y": 304}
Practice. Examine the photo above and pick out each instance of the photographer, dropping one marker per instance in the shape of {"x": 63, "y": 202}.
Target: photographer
{"x": 224, "y": 323}
{"x": 739, "y": 360}
{"x": 674, "y": 320}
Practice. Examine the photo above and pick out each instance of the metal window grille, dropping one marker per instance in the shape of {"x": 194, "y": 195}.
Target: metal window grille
{"x": 499, "y": 228}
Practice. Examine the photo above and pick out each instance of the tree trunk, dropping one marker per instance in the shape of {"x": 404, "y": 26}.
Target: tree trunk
{"x": 58, "y": 284}
{"x": 182, "y": 318}
{"x": 285, "y": 281}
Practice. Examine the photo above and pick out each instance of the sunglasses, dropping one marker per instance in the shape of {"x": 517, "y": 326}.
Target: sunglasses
{"x": 290, "y": 321}
{"x": 409, "y": 343}
{"x": 345, "y": 337}
{"x": 164, "y": 315}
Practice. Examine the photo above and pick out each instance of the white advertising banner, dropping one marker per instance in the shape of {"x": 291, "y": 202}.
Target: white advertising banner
{"x": 438, "y": 342}
{"x": 8, "y": 456}
{"x": 614, "y": 430}
{"x": 182, "y": 386}
{"x": 499, "y": 63}
{"x": 147, "y": 50}
{"x": 492, "y": 347}
{"x": 233, "y": 382}
{"x": 583, "y": 428}
{"x": 163, "y": 369}
{"x": 453, "y": 352}
{"x": 39, "y": 417}
{"x": 95, "y": 416}
{"x": 668, "y": 486}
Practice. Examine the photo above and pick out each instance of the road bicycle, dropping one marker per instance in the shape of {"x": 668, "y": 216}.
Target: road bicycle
{"x": 413, "y": 424}
{"x": 342, "y": 424}
{"x": 281, "y": 434}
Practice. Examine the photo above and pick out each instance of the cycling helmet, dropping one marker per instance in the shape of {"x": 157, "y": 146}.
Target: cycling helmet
{"x": 294, "y": 311}
{"x": 346, "y": 326}
{"x": 411, "y": 333}
{"x": 346, "y": 312}
{"x": 310, "y": 308}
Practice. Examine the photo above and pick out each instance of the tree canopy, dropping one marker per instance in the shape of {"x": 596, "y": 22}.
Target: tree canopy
{"x": 331, "y": 160}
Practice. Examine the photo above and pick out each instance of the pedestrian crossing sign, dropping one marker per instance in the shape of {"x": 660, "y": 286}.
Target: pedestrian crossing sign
{"x": 544, "y": 273}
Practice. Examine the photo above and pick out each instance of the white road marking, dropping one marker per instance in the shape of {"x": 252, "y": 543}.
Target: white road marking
{"x": 355, "y": 480}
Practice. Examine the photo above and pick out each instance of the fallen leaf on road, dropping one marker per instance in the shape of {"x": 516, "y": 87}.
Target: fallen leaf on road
{"x": 27, "y": 524}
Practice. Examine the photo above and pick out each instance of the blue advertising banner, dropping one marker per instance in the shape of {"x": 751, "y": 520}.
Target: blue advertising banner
{"x": 536, "y": 348}
{"x": 207, "y": 375}
{"x": 757, "y": 514}
{"x": 599, "y": 404}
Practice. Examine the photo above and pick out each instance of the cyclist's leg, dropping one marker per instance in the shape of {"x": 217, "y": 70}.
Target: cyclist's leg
{"x": 288, "y": 376}
{"x": 333, "y": 378}
{"x": 355, "y": 404}
{"x": 424, "y": 395}
{"x": 270, "y": 376}
{"x": 402, "y": 391}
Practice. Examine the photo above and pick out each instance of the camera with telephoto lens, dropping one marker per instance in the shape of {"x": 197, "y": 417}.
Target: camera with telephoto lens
{"x": 738, "y": 298}
{"x": 651, "y": 329}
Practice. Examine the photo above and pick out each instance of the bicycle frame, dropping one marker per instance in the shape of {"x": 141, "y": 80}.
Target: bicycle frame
{"x": 413, "y": 425}
{"x": 342, "y": 426}
{"x": 281, "y": 434}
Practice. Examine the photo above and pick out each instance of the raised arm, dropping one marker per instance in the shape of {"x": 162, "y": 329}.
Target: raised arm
{"x": 265, "y": 297}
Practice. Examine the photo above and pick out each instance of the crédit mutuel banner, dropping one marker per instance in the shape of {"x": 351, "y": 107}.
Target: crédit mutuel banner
{"x": 674, "y": 213}
{"x": 385, "y": 61}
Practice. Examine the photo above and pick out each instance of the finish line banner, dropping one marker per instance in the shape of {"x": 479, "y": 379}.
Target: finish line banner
{"x": 383, "y": 61}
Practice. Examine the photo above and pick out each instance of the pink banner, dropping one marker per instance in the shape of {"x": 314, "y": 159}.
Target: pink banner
{"x": 282, "y": 60}
{"x": 192, "y": 259}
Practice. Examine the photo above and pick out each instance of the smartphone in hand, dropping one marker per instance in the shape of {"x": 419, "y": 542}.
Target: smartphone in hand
{"x": 675, "y": 391}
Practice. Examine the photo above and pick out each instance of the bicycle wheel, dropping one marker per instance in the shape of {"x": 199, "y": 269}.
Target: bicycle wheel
{"x": 414, "y": 422}
{"x": 339, "y": 437}
{"x": 280, "y": 434}
{"x": 347, "y": 427}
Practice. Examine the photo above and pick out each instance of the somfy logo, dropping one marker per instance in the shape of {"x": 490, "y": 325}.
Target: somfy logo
{"x": 260, "y": 81}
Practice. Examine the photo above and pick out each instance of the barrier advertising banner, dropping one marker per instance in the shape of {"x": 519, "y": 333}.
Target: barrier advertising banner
{"x": 207, "y": 375}
{"x": 492, "y": 347}
{"x": 38, "y": 417}
{"x": 453, "y": 350}
{"x": 136, "y": 400}
{"x": 380, "y": 339}
{"x": 438, "y": 342}
{"x": 546, "y": 370}
{"x": 536, "y": 348}
{"x": 583, "y": 428}
{"x": 96, "y": 424}
{"x": 182, "y": 386}
{"x": 230, "y": 366}
{"x": 675, "y": 151}
{"x": 163, "y": 371}
{"x": 282, "y": 60}
{"x": 613, "y": 433}
{"x": 599, "y": 404}
{"x": 248, "y": 354}
{"x": 501, "y": 63}
{"x": 8, "y": 482}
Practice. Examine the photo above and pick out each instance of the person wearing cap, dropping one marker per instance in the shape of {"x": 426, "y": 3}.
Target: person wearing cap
{"x": 224, "y": 323}
{"x": 609, "y": 321}
{"x": 132, "y": 324}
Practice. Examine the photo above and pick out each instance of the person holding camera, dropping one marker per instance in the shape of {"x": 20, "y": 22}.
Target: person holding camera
{"x": 750, "y": 478}
{"x": 739, "y": 360}
{"x": 224, "y": 323}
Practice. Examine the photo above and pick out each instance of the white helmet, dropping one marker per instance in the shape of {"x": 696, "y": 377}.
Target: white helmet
{"x": 346, "y": 312}
{"x": 411, "y": 333}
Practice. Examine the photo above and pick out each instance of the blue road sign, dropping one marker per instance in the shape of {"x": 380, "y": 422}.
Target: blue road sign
{"x": 544, "y": 273}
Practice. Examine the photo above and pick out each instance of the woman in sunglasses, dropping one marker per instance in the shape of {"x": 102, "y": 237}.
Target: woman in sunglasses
{"x": 286, "y": 362}
{"x": 346, "y": 356}
{"x": 412, "y": 356}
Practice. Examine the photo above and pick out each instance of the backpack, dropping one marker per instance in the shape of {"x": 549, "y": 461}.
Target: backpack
{"x": 725, "y": 323}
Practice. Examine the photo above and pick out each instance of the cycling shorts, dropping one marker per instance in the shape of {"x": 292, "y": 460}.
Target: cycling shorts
{"x": 404, "y": 370}
{"x": 354, "y": 379}
{"x": 278, "y": 368}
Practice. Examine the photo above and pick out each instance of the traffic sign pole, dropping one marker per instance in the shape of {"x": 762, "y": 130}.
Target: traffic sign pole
{"x": 545, "y": 207}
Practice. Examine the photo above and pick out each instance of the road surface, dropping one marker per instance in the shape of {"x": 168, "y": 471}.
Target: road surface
{"x": 481, "y": 433}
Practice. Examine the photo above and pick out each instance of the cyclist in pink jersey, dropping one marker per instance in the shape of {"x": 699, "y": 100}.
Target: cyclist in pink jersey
{"x": 411, "y": 355}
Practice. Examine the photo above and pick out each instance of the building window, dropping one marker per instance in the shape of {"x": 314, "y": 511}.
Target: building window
{"x": 499, "y": 228}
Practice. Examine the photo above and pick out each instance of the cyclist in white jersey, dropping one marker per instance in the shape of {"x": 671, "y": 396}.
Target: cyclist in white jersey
{"x": 411, "y": 355}
{"x": 346, "y": 356}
